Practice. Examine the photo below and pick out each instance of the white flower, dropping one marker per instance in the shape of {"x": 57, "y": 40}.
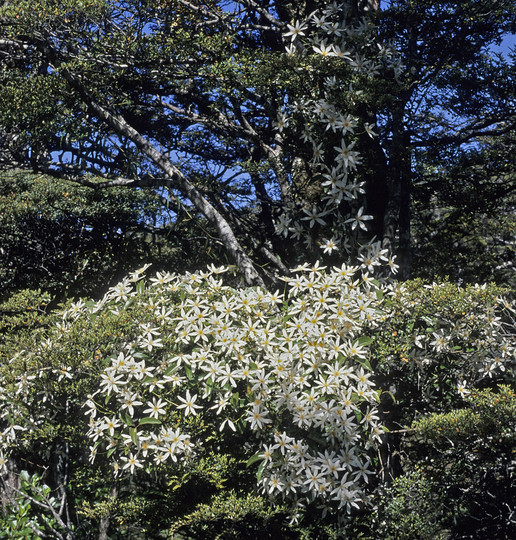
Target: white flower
{"x": 315, "y": 478}
{"x": 462, "y": 390}
{"x": 75, "y": 309}
{"x": 392, "y": 265}
{"x": 149, "y": 342}
{"x": 275, "y": 482}
{"x": 130, "y": 401}
{"x": 64, "y": 372}
{"x": 268, "y": 451}
{"x": 333, "y": 29}
{"x": 227, "y": 422}
{"x": 330, "y": 82}
{"x": 329, "y": 246}
{"x": 227, "y": 376}
{"x": 322, "y": 107}
{"x": 347, "y": 124}
{"x": 3, "y": 462}
{"x": 369, "y": 130}
{"x": 110, "y": 381}
{"x": 155, "y": 408}
{"x": 318, "y": 21}
{"x": 257, "y": 418}
{"x": 341, "y": 53}
{"x": 318, "y": 153}
{"x": 110, "y": 424}
{"x": 161, "y": 278}
{"x": 283, "y": 224}
{"x": 122, "y": 291}
{"x": 281, "y": 122}
{"x": 296, "y": 31}
{"x": 440, "y": 342}
{"x": 131, "y": 462}
{"x": 314, "y": 215}
{"x": 323, "y": 49}
{"x": 358, "y": 220}
{"x": 188, "y": 403}
{"x": 346, "y": 156}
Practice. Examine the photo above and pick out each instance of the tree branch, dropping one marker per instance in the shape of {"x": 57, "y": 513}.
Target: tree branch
{"x": 120, "y": 126}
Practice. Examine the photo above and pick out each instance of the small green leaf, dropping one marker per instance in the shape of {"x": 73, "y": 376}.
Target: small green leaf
{"x": 134, "y": 437}
{"x": 365, "y": 364}
{"x": 260, "y": 471}
{"x": 168, "y": 371}
{"x": 140, "y": 287}
{"x": 314, "y": 436}
{"x": 254, "y": 459}
{"x": 189, "y": 373}
{"x": 149, "y": 421}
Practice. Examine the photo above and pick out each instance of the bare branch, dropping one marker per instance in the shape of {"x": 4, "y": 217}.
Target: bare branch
{"x": 264, "y": 13}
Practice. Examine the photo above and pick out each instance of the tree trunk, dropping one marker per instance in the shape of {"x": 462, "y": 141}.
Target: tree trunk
{"x": 10, "y": 483}
{"x": 399, "y": 181}
{"x": 105, "y": 520}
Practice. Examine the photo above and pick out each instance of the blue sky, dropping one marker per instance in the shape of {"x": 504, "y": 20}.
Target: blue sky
{"x": 508, "y": 44}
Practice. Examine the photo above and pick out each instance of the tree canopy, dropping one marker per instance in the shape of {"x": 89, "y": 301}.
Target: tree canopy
{"x": 235, "y": 110}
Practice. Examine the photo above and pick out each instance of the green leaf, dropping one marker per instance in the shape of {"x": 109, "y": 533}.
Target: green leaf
{"x": 149, "y": 421}
{"x": 254, "y": 459}
{"x": 134, "y": 437}
{"x": 170, "y": 370}
{"x": 189, "y": 373}
{"x": 314, "y": 436}
{"x": 260, "y": 471}
{"x": 365, "y": 364}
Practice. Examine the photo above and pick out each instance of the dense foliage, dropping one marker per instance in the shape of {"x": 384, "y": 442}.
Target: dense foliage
{"x": 265, "y": 119}
{"x": 72, "y": 241}
{"x": 67, "y": 239}
{"x": 320, "y": 147}
{"x": 191, "y": 394}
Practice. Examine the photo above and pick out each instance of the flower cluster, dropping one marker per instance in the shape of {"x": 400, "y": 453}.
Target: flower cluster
{"x": 291, "y": 368}
{"x": 334, "y": 221}
{"x": 290, "y": 371}
{"x": 468, "y": 332}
